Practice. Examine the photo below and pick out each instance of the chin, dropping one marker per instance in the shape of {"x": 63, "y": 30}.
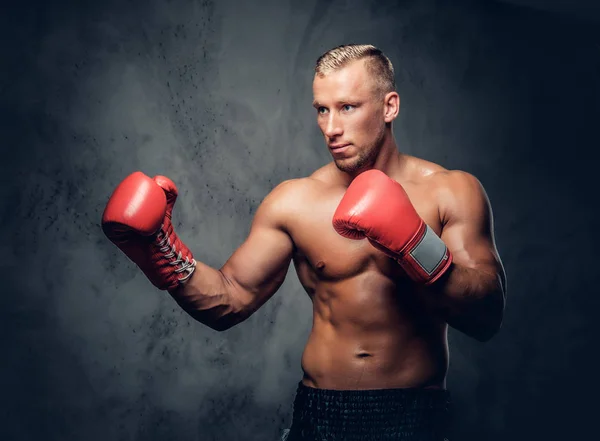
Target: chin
{"x": 349, "y": 165}
{"x": 356, "y": 164}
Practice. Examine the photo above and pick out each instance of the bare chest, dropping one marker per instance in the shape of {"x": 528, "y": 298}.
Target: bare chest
{"x": 321, "y": 252}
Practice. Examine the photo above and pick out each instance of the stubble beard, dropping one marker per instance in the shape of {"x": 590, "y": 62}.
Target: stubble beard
{"x": 364, "y": 160}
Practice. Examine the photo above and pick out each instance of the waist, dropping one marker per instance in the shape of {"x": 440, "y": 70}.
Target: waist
{"x": 370, "y": 414}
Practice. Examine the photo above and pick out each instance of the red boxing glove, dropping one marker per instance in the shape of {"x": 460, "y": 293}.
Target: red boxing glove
{"x": 377, "y": 207}
{"x": 137, "y": 219}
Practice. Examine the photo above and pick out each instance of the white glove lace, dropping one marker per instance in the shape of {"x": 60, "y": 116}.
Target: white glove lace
{"x": 169, "y": 251}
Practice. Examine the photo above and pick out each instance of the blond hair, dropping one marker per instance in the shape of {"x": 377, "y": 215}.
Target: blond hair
{"x": 377, "y": 63}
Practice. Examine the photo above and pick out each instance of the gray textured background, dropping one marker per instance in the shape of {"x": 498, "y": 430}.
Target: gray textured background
{"x": 217, "y": 96}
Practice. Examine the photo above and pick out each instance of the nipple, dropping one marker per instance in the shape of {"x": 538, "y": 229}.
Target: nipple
{"x": 320, "y": 265}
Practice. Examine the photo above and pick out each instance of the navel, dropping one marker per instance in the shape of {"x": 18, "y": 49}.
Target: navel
{"x": 363, "y": 355}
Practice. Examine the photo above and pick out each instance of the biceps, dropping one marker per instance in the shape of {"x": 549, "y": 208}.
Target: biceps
{"x": 471, "y": 246}
{"x": 259, "y": 266}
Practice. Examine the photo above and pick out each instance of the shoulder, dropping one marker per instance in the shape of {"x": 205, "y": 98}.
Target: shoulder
{"x": 292, "y": 189}
{"x": 456, "y": 182}
{"x": 299, "y": 186}
{"x": 327, "y": 174}
{"x": 459, "y": 194}
{"x": 299, "y": 189}
{"x": 455, "y": 192}
{"x": 284, "y": 201}
{"x": 421, "y": 169}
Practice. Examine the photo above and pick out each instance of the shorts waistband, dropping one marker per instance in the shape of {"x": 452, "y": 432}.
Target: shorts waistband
{"x": 370, "y": 414}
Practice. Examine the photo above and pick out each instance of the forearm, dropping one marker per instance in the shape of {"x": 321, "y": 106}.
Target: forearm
{"x": 472, "y": 300}
{"x": 208, "y": 297}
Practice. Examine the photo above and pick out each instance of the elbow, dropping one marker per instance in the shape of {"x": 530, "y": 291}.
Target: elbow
{"x": 495, "y": 319}
{"x": 226, "y": 322}
{"x": 486, "y": 333}
{"x": 220, "y": 326}
{"x": 220, "y": 316}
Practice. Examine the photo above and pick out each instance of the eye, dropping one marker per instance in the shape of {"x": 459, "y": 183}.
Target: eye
{"x": 321, "y": 110}
{"x": 347, "y": 107}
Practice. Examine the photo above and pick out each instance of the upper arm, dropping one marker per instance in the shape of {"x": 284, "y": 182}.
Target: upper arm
{"x": 468, "y": 224}
{"x": 258, "y": 267}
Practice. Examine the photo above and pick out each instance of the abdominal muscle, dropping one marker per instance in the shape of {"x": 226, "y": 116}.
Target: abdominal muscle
{"x": 369, "y": 334}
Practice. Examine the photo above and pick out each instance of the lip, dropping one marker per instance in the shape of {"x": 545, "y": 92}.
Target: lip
{"x": 338, "y": 148}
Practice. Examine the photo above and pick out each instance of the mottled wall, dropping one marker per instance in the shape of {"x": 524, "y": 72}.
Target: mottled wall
{"x": 217, "y": 96}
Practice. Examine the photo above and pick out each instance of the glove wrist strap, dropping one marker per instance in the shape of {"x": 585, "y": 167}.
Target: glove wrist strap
{"x": 428, "y": 259}
{"x": 184, "y": 265}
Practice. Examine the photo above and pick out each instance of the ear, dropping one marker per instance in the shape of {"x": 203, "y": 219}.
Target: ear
{"x": 391, "y": 106}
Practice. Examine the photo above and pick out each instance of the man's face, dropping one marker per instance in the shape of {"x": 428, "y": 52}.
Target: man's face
{"x": 350, "y": 114}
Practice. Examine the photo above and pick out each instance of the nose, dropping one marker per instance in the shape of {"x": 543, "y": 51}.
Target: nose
{"x": 333, "y": 127}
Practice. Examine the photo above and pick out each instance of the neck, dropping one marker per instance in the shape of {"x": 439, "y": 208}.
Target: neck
{"x": 389, "y": 159}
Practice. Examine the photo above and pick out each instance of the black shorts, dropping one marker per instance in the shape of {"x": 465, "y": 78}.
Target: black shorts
{"x": 369, "y": 415}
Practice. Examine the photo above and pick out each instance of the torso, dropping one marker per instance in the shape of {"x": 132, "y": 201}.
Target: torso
{"x": 372, "y": 327}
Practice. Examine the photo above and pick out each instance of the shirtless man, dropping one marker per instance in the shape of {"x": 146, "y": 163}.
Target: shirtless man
{"x": 391, "y": 249}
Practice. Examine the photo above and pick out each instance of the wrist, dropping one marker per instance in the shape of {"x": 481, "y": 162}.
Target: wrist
{"x": 174, "y": 263}
{"x": 427, "y": 258}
